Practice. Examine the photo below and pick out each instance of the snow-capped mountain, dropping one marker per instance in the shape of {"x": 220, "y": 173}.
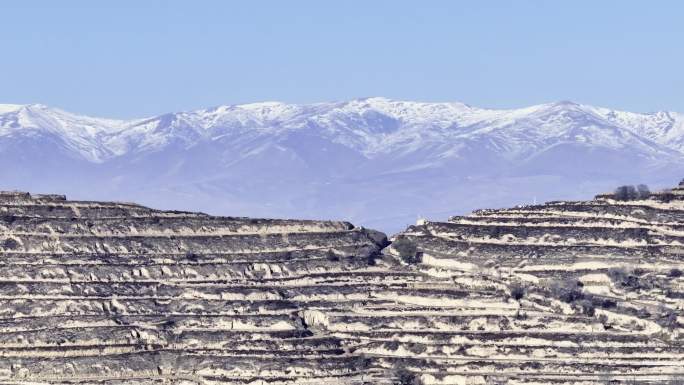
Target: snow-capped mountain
{"x": 374, "y": 161}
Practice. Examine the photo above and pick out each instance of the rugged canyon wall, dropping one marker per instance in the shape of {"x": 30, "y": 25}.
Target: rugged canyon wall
{"x": 566, "y": 292}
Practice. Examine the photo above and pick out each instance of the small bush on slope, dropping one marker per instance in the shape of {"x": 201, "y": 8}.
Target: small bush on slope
{"x": 517, "y": 292}
{"x": 408, "y": 252}
{"x": 629, "y": 193}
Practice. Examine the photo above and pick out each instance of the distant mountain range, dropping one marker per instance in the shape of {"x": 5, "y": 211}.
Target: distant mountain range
{"x": 376, "y": 162}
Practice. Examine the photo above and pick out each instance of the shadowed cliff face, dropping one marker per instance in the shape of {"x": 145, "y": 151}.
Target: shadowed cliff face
{"x": 113, "y": 293}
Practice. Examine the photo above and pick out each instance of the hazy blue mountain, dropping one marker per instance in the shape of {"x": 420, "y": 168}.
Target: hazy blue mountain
{"x": 376, "y": 162}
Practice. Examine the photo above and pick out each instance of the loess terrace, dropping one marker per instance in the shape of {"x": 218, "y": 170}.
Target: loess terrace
{"x": 560, "y": 293}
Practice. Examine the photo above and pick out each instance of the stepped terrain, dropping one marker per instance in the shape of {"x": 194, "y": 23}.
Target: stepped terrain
{"x": 580, "y": 291}
{"x": 565, "y": 292}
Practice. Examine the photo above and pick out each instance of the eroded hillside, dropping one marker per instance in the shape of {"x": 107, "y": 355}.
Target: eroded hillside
{"x": 566, "y": 292}
{"x": 582, "y": 291}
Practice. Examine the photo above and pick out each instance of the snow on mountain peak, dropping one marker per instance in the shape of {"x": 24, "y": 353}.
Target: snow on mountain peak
{"x": 339, "y": 159}
{"x": 5, "y": 108}
{"x": 81, "y": 135}
{"x": 368, "y": 125}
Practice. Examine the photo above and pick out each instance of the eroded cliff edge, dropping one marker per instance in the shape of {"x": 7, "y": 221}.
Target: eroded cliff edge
{"x": 560, "y": 292}
{"x": 565, "y": 292}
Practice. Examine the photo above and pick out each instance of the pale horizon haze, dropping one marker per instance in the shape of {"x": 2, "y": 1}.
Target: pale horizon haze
{"x": 129, "y": 59}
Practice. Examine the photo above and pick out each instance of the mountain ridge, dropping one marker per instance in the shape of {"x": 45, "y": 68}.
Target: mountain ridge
{"x": 343, "y": 160}
{"x": 663, "y": 127}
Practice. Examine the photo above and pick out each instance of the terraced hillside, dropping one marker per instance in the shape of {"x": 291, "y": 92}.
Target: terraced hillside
{"x": 587, "y": 291}
{"x": 119, "y": 293}
{"x": 114, "y": 293}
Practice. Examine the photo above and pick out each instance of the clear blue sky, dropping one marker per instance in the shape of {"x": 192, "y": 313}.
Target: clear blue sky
{"x": 138, "y": 58}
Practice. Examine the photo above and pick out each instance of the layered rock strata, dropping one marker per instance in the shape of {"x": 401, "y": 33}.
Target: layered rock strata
{"x": 118, "y": 293}
{"x": 565, "y": 292}
{"x": 582, "y": 292}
